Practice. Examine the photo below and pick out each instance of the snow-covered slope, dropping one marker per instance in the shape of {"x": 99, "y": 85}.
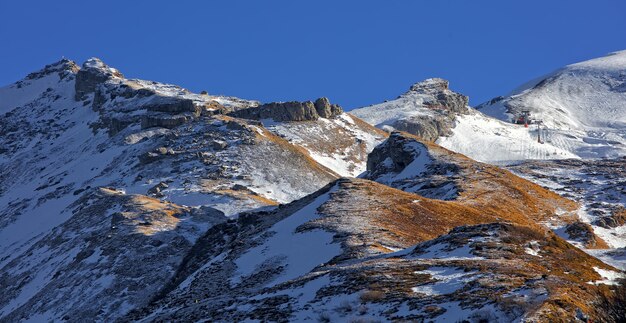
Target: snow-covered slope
{"x": 360, "y": 250}
{"x": 68, "y": 131}
{"x": 331, "y": 142}
{"x": 583, "y": 106}
{"x": 433, "y": 112}
{"x": 490, "y": 140}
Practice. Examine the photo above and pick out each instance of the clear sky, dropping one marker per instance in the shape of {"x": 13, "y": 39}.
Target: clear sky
{"x": 354, "y": 52}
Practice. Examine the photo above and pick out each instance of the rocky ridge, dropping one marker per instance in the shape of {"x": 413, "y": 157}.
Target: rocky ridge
{"x": 427, "y": 110}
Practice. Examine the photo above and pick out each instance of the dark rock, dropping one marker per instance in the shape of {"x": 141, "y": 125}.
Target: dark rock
{"x": 165, "y": 120}
{"x": 390, "y": 156}
{"x": 615, "y": 219}
{"x": 444, "y": 104}
{"x": 582, "y": 232}
{"x": 291, "y": 111}
{"x": 155, "y": 155}
{"x": 93, "y": 73}
{"x": 426, "y": 127}
{"x": 173, "y": 106}
{"x": 64, "y": 68}
{"x": 156, "y": 189}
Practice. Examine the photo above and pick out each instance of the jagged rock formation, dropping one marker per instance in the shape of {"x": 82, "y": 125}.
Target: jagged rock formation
{"x": 291, "y": 111}
{"x": 427, "y": 110}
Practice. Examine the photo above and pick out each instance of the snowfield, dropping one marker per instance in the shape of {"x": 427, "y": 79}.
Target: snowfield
{"x": 582, "y": 106}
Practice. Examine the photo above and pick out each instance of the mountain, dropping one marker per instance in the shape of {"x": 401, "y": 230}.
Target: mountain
{"x": 379, "y": 253}
{"x": 430, "y": 110}
{"x": 133, "y": 200}
{"x": 76, "y": 136}
{"x": 582, "y": 106}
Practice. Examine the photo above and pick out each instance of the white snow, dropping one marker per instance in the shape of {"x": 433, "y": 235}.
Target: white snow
{"x": 486, "y": 139}
{"x": 582, "y": 105}
{"x": 410, "y": 104}
{"x": 447, "y": 280}
{"x": 299, "y": 252}
{"x": 533, "y": 248}
{"x": 13, "y": 96}
{"x": 610, "y": 277}
{"x": 349, "y": 161}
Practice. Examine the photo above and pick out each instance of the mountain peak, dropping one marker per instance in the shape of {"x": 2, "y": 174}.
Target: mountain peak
{"x": 63, "y": 67}
{"x": 430, "y": 85}
{"x": 92, "y": 73}
{"x": 95, "y": 64}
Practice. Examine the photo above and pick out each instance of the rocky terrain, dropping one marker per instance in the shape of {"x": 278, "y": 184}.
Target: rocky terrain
{"x": 427, "y": 110}
{"x": 68, "y": 131}
{"x": 133, "y": 200}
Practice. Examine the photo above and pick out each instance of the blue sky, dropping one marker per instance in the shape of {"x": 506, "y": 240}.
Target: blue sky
{"x": 354, "y": 52}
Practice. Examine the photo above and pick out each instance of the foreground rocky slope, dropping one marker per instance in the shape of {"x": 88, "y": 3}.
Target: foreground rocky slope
{"x": 378, "y": 253}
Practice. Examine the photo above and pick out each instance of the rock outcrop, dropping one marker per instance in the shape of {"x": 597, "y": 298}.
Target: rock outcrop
{"x": 291, "y": 111}
{"x": 444, "y": 98}
{"x": 427, "y": 110}
{"x": 391, "y": 157}
{"x": 93, "y": 73}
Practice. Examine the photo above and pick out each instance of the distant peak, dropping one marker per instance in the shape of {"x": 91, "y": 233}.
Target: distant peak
{"x": 95, "y": 64}
{"x": 93, "y": 73}
{"x": 63, "y": 67}
{"x": 430, "y": 85}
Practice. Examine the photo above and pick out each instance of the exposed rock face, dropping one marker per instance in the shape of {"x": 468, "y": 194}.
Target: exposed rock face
{"x": 443, "y": 97}
{"x": 64, "y": 67}
{"x": 426, "y": 127}
{"x": 446, "y": 103}
{"x": 93, "y": 72}
{"x": 583, "y": 232}
{"x": 616, "y": 218}
{"x": 391, "y": 156}
{"x": 427, "y": 110}
{"x": 291, "y": 111}
{"x": 325, "y": 109}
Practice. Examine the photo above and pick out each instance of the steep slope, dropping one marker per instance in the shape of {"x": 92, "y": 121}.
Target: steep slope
{"x": 331, "y": 137}
{"x": 598, "y": 185}
{"x": 68, "y": 131}
{"x": 359, "y": 250}
{"x": 431, "y": 111}
{"x": 109, "y": 257}
{"x": 582, "y": 106}
{"x": 411, "y": 164}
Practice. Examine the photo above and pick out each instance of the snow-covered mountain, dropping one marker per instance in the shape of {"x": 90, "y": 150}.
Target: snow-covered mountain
{"x": 582, "y": 106}
{"x": 68, "y": 131}
{"x": 125, "y": 199}
{"x": 433, "y": 112}
{"x": 378, "y": 253}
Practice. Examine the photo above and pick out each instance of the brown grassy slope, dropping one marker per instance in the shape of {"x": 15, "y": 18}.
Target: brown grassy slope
{"x": 501, "y": 193}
